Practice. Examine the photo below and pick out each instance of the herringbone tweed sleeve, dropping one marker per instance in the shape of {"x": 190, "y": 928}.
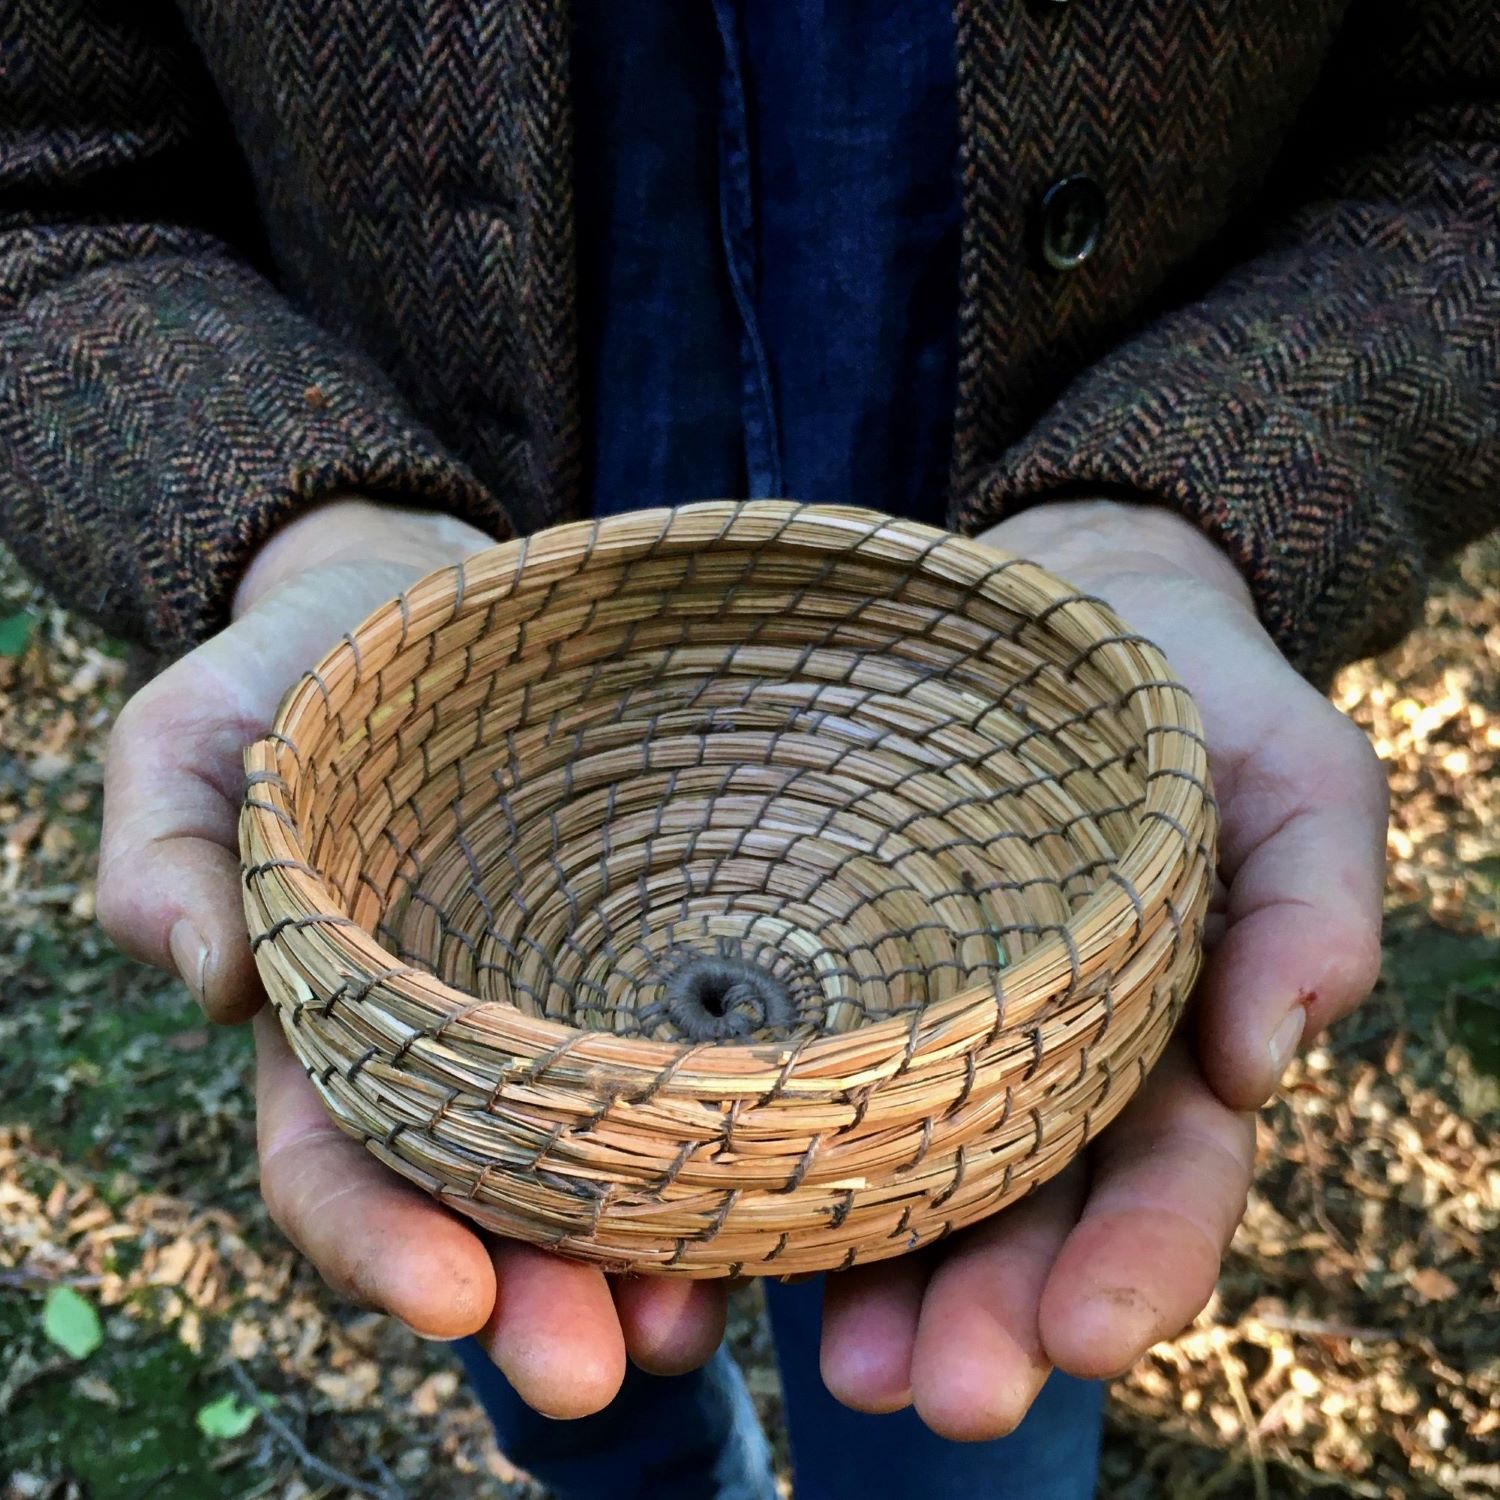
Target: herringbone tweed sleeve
{"x": 1330, "y": 410}
{"x": 162, "y": 408}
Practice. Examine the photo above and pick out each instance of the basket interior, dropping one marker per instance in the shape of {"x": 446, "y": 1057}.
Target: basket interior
{"x": 697, "y": 791}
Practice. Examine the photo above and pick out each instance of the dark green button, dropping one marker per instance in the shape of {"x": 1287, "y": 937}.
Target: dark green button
{"x": 1073, "y": 212}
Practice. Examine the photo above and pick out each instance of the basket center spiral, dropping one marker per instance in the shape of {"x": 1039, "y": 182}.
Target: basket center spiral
{"x": 721, "y": 793}
{"x": 714, "y": 999}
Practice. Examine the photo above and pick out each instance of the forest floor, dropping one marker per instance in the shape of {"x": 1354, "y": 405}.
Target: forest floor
{"x": 1352, "y": 1348}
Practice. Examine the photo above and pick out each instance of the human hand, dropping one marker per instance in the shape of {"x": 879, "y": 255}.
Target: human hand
{"x": 1123, "y": 1249}
{"x": 169, "y": 893}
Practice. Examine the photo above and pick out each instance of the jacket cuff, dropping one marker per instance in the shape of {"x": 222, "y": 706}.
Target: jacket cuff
{"x": 159, "y": 419}
{"x": 1316, "y": 541}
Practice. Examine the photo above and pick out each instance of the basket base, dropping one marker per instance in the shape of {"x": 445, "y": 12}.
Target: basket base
{"x": 718, "y": 999}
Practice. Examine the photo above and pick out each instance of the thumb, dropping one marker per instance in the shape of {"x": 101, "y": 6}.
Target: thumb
{"x": 169, "y": 889}
{"x": 1303, "y": 849}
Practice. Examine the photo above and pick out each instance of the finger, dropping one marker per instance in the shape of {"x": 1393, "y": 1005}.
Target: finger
{"x": 169, "y": 870}
{"x": 979, "y": 1361}
{"x": 670, "y": 1325}
{"x": 169, "y": 875}
{"x": 1304, "y": 853}
{"x": 1169, "y": 1183}
{"x": 869, "y": 1330}
{"x": 373, "y": 1237}
{"x": 554, "y": 1332}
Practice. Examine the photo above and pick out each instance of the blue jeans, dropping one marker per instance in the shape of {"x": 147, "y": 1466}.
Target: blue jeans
{"x": 694, "y": 1437}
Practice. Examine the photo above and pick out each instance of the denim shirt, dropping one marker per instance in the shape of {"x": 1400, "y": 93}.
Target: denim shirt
{"x": 768, "y": 221}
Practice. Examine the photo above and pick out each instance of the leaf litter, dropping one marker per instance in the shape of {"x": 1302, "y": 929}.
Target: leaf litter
{"x": 1352, "y": 1347}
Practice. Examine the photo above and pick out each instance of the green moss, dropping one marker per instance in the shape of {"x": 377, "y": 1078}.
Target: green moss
{"x": 147, "y": 1444}
{"x": 1451, "y": 983}
{"x": 88, "y": 1061}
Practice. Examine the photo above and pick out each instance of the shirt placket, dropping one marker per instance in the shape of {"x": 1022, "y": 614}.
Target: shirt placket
{"x": 763, "y": 475}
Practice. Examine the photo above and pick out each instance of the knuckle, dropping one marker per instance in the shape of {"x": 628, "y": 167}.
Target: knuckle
{"x": 133, "y": 723}
{"x": 276, "y": 1211}
{"x": 1370, "y": 770}
{"x": 273, "y": 1194}
{"x": 124, "y": 749}
{"x": 296, "y": 1195}
{"x": 1356, "y": 962}
{"x": 119, "y": 905}
{"x": 1357, "y": 761}
{"x": 282, "y": 1190}
{"x": 112, "y": 905}
{"x": 124, "y": 729}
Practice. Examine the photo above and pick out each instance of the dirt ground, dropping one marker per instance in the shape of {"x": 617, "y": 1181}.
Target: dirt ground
{"x": 1352, "y": 1348}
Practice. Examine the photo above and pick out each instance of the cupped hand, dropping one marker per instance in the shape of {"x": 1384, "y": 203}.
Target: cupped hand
{"x": 1116, "y": 1253}
{"x": 1123, "y": 1249}
{"x": 169, "y": 893}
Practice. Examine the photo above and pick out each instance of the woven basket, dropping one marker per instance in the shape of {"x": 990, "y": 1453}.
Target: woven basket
{"x": 740, "y": 889}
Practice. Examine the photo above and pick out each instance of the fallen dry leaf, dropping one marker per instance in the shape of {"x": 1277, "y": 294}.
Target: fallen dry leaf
{"x": 1432, "y": 1285}
{"x": 171, "y": 1262}
{"x": 433, "y": 1393}
{"x": 91, "y": 1388}
{"x": 351, "y": 1388}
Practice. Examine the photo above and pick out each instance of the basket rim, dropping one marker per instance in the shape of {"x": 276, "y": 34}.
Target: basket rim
{"x": 1164, "y": 707}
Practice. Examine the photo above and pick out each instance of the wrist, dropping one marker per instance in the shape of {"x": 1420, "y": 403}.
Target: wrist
{"x": 1087, "y": 541}
{"x": 355, "y": 529}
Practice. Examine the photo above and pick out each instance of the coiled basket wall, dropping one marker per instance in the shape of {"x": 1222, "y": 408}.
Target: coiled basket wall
{"x": 740, "y": 889}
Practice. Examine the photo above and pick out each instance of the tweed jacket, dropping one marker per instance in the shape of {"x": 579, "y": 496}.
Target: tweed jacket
{"x": 252, "y": 254}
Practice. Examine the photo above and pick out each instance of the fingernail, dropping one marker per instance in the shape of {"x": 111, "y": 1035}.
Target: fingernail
{"x": 1283, "y": 1046}
{"x": 189, "y": 955}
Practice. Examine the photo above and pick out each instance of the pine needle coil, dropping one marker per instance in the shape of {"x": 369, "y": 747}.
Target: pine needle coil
{"x": 747, "y": 888}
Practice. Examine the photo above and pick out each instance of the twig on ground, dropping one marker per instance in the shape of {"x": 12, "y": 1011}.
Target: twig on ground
{"x": 299, "y": 1449}
{"x": 1231, "y": 1368}
{"x": 1322, "y": 1328}
{"x": 26, "y": 1278}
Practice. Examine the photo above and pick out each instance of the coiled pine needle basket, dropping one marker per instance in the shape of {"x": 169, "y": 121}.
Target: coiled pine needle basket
{"x": 740, "y": 889}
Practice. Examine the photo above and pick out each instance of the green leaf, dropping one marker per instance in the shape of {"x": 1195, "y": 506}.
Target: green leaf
{"x": 15, "y": 632}
{"x": 228, "y": 1417}
{"x": 71, "y": 1322}
{"x": 1477, "y": 1030}
{"x": 47, "y": 954}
